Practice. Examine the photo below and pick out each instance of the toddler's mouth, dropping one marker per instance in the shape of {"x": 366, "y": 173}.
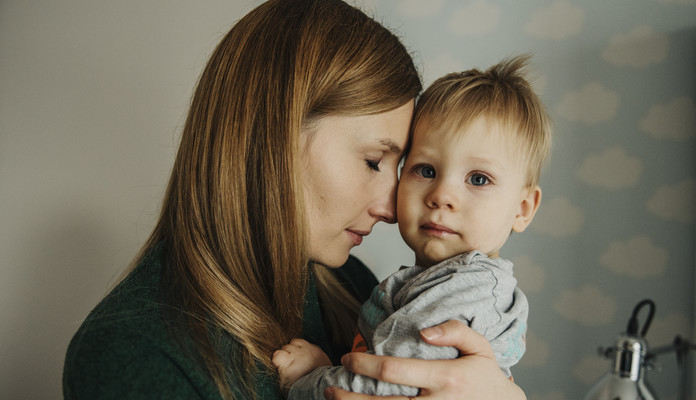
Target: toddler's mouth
{"x": 437, "y": 229}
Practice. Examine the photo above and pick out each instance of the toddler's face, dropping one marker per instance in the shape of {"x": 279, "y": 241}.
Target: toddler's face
{"x": 462, "y": 191}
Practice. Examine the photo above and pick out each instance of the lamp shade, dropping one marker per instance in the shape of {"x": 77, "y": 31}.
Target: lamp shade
{"x": 625, "y": 380}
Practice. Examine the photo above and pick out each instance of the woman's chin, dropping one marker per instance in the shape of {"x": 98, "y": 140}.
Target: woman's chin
{"x": 336, "y": 261}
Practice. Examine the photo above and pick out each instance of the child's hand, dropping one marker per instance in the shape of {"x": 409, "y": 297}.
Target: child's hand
{"x": 298, "y": 358}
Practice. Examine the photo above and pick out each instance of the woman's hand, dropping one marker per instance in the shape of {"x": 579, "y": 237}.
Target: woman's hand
{"x": 474, "y": 375}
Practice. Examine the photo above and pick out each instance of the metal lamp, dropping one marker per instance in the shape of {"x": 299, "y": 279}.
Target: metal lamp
{"x": 626, "y": 378}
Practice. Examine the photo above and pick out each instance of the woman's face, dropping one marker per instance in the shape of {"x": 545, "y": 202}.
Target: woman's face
{"x": 349, "y": 173}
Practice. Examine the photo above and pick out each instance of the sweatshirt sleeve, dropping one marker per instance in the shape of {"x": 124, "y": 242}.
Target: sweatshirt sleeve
{"x": 312, "y": 385}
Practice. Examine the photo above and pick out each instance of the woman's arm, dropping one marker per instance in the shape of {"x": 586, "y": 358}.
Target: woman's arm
{"x": 475, "y": 373}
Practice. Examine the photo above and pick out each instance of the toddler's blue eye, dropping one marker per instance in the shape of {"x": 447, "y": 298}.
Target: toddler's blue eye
{"x": 426, "y": 171}
{"x": 478, "y": 180}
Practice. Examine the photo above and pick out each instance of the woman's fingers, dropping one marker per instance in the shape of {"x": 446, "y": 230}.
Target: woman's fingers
{"x": 334, "y": 393}
{"x": 404, "y": 371}
{"x": 426, "y": 374}
{"x": 457, "y": 334}
{"x": 476, "y": 372}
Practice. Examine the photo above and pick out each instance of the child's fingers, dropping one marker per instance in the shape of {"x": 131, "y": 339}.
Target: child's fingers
{"x": 284, "y": 356}
{"x": 280, "y": 358}
{"x": 299, "y": 343}
{"x": 296, "y": 345}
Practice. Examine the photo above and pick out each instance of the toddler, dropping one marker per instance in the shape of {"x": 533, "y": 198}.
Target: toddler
{"x": 470, "y": 178}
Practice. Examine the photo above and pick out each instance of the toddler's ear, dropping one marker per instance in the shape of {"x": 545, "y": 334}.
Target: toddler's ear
{"x": 529, "y": 204}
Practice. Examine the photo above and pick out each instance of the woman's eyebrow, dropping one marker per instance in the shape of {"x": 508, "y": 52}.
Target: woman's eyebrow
{"x": 393, "y": 147}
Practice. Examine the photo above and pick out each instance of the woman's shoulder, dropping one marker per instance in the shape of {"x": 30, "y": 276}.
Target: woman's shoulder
{"x": 131, "y": 304}
{"x": 124, "y": 347}
{"x": 117, "y": 363}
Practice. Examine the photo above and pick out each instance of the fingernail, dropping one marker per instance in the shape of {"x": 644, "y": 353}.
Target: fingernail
{"x": 329, "y": 394}
{"x": 432, "y": 332}
{"x": 345, "y": 359}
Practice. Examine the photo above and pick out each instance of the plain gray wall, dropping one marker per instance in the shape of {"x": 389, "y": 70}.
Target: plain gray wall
{"x": 93, "y": 96}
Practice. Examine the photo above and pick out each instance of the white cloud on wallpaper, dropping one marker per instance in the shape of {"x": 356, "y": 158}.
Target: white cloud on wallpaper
{"x": 592, "y": 104}
{"x": 537, "y": 353}
{"x": 441, "y": 64}
{"x": 539, "y": 82}
{"x": 476, "y": 18}
{"x": 420, "y": 8}
{"x": 558, "y": 21}
{"x": 530, "y": 275}
{"x": 675, "y": 120}
{"x": 675, "y": 202}
{"x": 637, "y": 257}
{"x": 586, "y": 305}
{"x": 559, "y": 217}
{"x": 640, "y": 47}
{"x": 612, "y": 169}
{"x": 590, "y": 368}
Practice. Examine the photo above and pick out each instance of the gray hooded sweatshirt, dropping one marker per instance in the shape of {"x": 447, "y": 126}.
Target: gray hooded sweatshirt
{"x": 470, "y": 287}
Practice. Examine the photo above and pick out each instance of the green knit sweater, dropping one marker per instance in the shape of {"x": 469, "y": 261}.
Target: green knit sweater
{"x": 124, "y": 348}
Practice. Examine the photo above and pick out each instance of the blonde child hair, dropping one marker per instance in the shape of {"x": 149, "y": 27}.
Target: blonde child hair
{"x": 502, "y": 94}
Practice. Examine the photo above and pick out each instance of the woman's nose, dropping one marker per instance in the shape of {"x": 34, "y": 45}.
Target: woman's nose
{"x": 384, "y": 209}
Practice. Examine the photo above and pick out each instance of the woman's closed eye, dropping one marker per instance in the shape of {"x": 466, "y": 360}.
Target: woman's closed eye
{"x": 373, "y": 164}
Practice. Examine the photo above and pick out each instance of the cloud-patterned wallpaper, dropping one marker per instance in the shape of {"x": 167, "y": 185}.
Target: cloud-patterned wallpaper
{"x": 617, "y": 222}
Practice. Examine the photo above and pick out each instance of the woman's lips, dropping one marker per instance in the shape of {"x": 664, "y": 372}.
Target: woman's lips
{"x": 437, "y": 230}
{"x": 357, "y": 236}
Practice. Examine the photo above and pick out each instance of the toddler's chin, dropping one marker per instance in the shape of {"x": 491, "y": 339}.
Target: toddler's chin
{"x": 434, "y": 253}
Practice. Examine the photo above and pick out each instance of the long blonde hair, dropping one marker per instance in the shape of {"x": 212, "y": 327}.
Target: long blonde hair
{"x": 232, "y": 218}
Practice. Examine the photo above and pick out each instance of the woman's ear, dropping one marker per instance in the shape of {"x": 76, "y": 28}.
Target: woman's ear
{"x": 529, "y": 204}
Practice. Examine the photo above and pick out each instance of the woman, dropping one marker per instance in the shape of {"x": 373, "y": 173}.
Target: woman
{"x": 288, "y": 158}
